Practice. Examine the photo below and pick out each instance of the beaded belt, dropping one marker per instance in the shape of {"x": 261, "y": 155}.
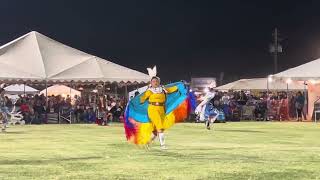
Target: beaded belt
{"x": 156, "y": 104}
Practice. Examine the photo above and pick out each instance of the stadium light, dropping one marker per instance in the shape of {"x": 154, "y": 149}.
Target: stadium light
{"x": 312, "y": 81}
{"x": 270, "y": 78}
{"x": 289, "y": 81}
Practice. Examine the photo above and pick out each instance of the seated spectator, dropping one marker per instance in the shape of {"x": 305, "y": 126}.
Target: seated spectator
{"x": 261, "y": 110}
{"x": 116, "y": 111}
{"x": 25, "y": 110}
{"x": 24, "y": 107}
{"x": 103, "y": 118}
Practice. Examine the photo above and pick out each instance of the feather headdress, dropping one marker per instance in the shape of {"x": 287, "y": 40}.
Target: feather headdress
{"x": 153, "y": 72}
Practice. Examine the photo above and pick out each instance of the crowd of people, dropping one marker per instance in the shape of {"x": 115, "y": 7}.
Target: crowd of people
{"x": 105, "y": 109}
{"x": 237, "y": 105}
{"x": 35, "y": 109}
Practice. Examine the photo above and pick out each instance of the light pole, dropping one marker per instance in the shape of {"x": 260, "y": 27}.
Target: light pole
{"x": 275, "y": 49}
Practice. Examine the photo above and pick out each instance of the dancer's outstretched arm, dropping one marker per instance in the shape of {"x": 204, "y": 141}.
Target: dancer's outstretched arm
{"x": 171, "y": 89}
{"x": 145, "y": 96}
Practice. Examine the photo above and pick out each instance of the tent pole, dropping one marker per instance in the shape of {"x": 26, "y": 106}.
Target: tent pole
{"x": 306, "y": 99}
{"x": 267, "y": 118}
{"x": 70, "y": 88}
{"x": 126, "y": 92}
{"x": 116, "y": 90}
{"x": 46, "y": 93}
{"x": 288, "y": 101}
{"x": 267, "y": 86}
{"x": 24, "y": 89}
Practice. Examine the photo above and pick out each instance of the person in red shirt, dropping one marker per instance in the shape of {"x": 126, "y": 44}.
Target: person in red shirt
{"x": 25, "y": 109}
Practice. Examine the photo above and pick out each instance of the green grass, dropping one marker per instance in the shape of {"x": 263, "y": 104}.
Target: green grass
{"x": 246, "y": 150}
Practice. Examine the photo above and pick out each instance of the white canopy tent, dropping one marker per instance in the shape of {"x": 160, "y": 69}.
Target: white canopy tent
{"x": 35, "y": 57}
{"x": 17, "y": 89}
{"x": 306, "y": 72}
{"x": 61, "y": 90}
{"x": 261, "y": 84}
{"x": 309, "y": 73}
{"x": 232, "y": 86}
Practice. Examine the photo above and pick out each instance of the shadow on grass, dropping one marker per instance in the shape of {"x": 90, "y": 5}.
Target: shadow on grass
{"x": 120, "y": 145}
{"x": 222, "y": 157}
{"x": 204, "y": 156}
{"x": 265, "y": 174}
{"x": 288, "y": 174}
{"x": 39, "y": 162}
{"x": 14, "y": 132}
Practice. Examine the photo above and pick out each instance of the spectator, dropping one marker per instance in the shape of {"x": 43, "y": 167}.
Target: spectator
{"x": 243, "y": 98}
{"x": 8, "y": 103}
{"x": 299, "y": 104}
{"x": 225, "y": 98}
{"x": 79, "y": 113}
{"x": 38, "y": 112}
{"x": 116, "y": 111}
{"x": 25, "y": 110}
{"x": 90, "y": 116}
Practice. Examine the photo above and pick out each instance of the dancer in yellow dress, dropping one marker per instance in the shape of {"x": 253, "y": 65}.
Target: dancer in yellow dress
{"x": 149, "y": 114}
{"x": 156, "y": 95}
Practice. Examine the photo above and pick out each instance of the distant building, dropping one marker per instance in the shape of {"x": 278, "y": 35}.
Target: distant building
{"x": 203, "y": 84}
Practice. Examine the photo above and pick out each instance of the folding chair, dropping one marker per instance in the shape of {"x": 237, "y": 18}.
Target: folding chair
{"x": 66, "y": 115}
{"x": 316, "y": 111}
{"x": 247, "y": 112}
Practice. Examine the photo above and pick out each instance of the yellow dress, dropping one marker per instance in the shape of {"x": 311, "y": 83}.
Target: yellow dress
{"x": 156, "y": 108}
{"x": 139, "y": 132}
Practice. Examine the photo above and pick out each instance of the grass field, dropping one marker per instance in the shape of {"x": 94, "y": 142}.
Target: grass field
{"x": 246, "y": 150}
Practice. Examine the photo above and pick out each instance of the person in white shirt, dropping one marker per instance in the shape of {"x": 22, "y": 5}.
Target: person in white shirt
{"x": 225, "y": 98}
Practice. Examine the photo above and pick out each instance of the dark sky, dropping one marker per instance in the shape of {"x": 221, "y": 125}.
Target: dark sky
{"x": 183, "y": 38}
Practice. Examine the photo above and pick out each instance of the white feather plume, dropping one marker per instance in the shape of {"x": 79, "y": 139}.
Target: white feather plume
{"x": 2, "y": 85}
{"x": 152, "y": 72}
{"x": 212, "y": 85}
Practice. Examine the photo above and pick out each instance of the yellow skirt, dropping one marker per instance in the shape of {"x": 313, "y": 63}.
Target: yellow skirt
{"x": 159, "y": 119}
{"x": 141, "y": 133}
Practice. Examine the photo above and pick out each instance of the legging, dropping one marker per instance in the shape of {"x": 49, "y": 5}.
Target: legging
{"x": 299, "y": 111}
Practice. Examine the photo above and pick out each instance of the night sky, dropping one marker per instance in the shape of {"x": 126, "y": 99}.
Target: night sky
{"x": 183, "y": 38}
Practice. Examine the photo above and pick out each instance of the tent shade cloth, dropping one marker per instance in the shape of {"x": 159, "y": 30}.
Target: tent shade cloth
{"x": 260, "y": 84}
{"x": 304, "y": 72}
{"x": 20, "y": 89}
{"x": 61, "y": 90}
{"x": 35, "y": 57}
